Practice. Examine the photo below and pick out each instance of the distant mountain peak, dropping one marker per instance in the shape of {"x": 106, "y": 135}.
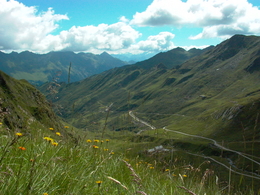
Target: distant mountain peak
{"x": 178, "y": 49}
{"x": 240, "y": 41}
{"x": 105, "y": 54}
{"x": 27, "y": 52}
{"x": 169, "y": 59}
{"x": 236, "y": 41}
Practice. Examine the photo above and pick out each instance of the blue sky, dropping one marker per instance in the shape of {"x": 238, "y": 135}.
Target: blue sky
{"x": 123, "y": 26}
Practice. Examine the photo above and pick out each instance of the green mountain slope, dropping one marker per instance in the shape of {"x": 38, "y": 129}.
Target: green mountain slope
{"x": 25, "y": 109}
{"x": 209, "y": 93}
{"x": 171, "y": 58}
{"x": 40, "y": 68}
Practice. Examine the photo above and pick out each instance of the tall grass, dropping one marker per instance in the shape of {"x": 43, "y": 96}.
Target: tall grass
{"x": 55, "y": 164}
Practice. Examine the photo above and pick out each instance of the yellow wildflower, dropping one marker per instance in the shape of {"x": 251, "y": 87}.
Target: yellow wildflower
{"x": 112, "y": 153}
{"x": 51, "y": 128}
{"x": 66, "y": 127}
{"x": 88, "y": 141}
{"x": 167, "y": 170}
{"x": 49, "y": 139}
{"x": 58, "y": 133}
{"x": 184, "y": 176}
{"x": 107, "y": 140}
{"x": 45, "y": 193}
{"x": 96, "y": 140}
{"x": 54, "y": 143}
{"x": 19, "y": 134}
{"x": 105, "y": 149}
{"x": 99, "y": 183}
{"x": 151, "y": 167}
{"x": 95, "y": 147}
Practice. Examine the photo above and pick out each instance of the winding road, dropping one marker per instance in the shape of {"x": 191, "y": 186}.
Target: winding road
{"x": 215, "y": 143}
{"x": 205, "y": 138}
{"x": 140, "y": 121}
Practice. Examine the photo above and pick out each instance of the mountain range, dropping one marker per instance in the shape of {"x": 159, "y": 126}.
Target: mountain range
{"x": 41, "y": 68}
{"x": 72, "y": 67}
{"x": 215, "y": 93}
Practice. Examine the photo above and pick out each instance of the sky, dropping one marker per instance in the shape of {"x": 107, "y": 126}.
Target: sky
{"x": 123, "y": 26}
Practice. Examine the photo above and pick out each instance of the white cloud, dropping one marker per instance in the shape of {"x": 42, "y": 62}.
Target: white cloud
{"x": 123, "y": 19}
{"x": 24, "y": 28}
{"x": 21, "y": 27}
{"x": 194, "y": 46}
{"x": 218, "y": 18}
{"x": 156, "y": 43}
{"x": 162, "y": 12}
{"x": 102, "y": 37}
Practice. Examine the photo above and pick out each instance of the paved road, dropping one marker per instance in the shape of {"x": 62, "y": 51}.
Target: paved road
{"x": 215, "y": 143}
{"x": 141, "y": 121}
{"x": 205, "y": 138}
{"x": 229, "y": 168}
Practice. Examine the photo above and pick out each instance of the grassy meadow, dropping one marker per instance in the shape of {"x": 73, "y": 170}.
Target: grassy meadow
{"x": 47, "y": 162}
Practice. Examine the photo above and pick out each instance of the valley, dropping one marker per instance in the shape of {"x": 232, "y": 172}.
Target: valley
{"x": 207, "y": 107}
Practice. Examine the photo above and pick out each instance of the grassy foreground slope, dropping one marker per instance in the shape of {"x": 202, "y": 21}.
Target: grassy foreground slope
{"x": 93, "y": 166}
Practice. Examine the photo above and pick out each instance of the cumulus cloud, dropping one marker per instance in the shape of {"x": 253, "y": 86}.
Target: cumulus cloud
{"x": 21, "y": 27}
{"x": 102, "y": 37}
{"x": 24, "y": 28}
{"x": 218, "y": 18}
{"x": 160, "y": 42}
{"x": 162, "y": 12}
